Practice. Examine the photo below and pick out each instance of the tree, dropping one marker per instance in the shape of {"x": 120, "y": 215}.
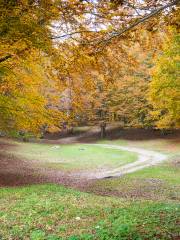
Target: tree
{"x": 26, "y": 91}
{"x": 102, "y": 22}
{"x": 165, "y": 85}
{"x": 25, "y": 44}
{"x": 51, "y": 47}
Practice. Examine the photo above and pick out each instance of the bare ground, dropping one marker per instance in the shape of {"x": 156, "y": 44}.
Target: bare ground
{"x": 18, "y": 172}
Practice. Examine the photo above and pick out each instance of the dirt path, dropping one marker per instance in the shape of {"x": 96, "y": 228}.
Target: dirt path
{"x": 16, "y": 172}
{"x": 146, "y": 158}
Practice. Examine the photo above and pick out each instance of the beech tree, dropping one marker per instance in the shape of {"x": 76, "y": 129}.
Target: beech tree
{"x": 165, "y": 85}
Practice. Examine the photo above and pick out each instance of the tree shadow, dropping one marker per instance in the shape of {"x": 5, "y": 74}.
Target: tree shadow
{"x": 133, "y": 134}
{"x": 142, "y": 134}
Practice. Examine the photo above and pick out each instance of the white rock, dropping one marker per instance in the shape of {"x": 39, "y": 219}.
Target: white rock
{"x": 55, "y": 147}
{"x": 97, "y": 227}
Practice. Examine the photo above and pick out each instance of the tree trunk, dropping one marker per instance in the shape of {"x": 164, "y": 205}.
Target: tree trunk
{"x": 103, "y": 130}
{"x": 71, "y": 130}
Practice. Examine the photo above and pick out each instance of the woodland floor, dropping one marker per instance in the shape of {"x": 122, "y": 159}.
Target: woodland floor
{"x": 138, "y": 205}
{"x": 16, "y": 171}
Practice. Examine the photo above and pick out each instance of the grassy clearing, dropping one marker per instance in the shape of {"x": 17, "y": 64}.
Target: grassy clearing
{"x": 147, "y": 206}
{"x": 73, "y": 157}
{"x": 54, "y": 212}
{"x": 160, "y": 182}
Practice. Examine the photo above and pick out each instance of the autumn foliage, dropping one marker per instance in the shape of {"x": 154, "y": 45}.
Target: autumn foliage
{"x": 83, "y": 62}
{"x": 165, "y": 85}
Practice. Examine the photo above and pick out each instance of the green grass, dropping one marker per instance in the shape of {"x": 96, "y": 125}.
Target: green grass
{"x": 53, "y": 212}
{"x": 168, "y": 146}
{"x": 146, "y": 206}
{"x": 160, "y": 182}
{"x": 73, "y": 157}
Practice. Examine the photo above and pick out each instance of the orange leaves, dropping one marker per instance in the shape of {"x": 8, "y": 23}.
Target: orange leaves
{"x": 23, "y": 96}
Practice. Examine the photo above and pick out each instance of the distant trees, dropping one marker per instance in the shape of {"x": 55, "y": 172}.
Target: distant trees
{"x": 120, "y": 88}
{"x": 125, "y": 89}
{"x": 114, "y": 86}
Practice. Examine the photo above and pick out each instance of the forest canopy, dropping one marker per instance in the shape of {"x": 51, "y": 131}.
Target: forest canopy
{"x": 83, "y": 62}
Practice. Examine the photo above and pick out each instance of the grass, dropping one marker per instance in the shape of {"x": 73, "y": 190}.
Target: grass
{"x": 160, "y": 182}
{"x": 143, "y": 205}
{"x": 54, "y": 212}
{"x": 168, "y": 146}
{"x": 73, "y": 157}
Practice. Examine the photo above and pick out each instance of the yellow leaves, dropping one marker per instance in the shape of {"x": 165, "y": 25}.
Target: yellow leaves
{"x": 53, "y": 129}
{"x": 44, "y": 85}
{"x": 24, "y": 97}
{"x": 165, "y": 86}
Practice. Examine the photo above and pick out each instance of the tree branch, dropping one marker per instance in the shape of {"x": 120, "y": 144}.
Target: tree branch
{"x": 73, "y": 33}
{"x": 142, "y": 20}
{"x": 5, "y": 58}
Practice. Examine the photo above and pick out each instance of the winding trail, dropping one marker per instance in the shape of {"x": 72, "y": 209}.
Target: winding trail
{"x": 14, "y": 171}
{"x": 146, "y": 158}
